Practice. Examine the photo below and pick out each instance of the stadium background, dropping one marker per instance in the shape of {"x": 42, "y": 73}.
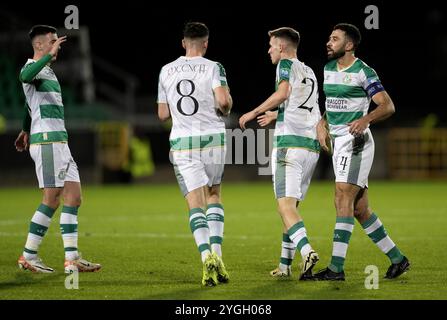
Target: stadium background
{"x": 109, "y": 69}
{"x": 109, "y": 72}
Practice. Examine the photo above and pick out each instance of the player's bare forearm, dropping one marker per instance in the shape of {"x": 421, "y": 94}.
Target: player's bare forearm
{"x": 163, "y": 112}
{"x": 281, "y": 95}
{"x": 385, "y": 108}
{"x": 226, "y": 107}
{"x": 323, "y": 121}
{"x": 223, "y": 99}
{"x": 271, "y": 103}
{"x": 323, "y": 135}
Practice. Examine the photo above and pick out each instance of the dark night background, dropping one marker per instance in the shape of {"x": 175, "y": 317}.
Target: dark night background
{"x": 408, "y": 51}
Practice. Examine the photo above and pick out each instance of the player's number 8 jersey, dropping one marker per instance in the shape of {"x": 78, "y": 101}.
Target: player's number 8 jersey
{"x": 187, "y": 85}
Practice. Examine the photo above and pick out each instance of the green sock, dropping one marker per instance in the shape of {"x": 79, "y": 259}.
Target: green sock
{"x": 297, "y": 233}
{"x": 377, "y": 233}
{"x": 288, "y": 250}
{"x": 215, "y": 219}
{"x": 200, "y": 231}
{"x": 69, "y": 230}
{"x": 38, "y": 227}
{"x": 342, "y": 233}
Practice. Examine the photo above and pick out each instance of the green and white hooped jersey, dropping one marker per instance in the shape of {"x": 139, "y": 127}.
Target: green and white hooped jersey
{"x": 299, "y": 114}
{"x": 44, "y": 100}
{"x": 348, "y": 94}
{"x": 187, "y": 85}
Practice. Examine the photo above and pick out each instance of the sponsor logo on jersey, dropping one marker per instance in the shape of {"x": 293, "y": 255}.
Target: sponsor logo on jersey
{"x": 335, "y": 103}
{"x": 284, "y": 73}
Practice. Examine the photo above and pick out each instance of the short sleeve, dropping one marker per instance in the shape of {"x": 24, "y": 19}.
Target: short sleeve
{"x": 161, "y": 98}
{"x": 371, "y": 82}
{"x": 284, "y": 70}
{"x": 219, "y": 76}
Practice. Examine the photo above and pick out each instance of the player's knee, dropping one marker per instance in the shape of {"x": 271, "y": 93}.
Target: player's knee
{"x": 343, "y": 199}
{"x": 51, "y": 200}
{"x": 342, "y": 193}
{"x": 213, "y": 198}
{"x": 360, "y": 213}
{"x": 286, "y": 207}
{"x": 73, "y": 201}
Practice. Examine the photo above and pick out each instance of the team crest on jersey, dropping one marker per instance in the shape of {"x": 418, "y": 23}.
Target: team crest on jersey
{"x": 347, "y": 78}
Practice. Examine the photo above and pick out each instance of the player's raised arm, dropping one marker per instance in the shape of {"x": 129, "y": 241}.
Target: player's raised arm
{"x": 30, "y": 71}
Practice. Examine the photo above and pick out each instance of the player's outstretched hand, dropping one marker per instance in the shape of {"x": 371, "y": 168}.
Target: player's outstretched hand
{"x": 57, "y": 45}
{"x": 246, "y": 118}
{"x": 22, "y": 141}
{"x": 267, "y": 118}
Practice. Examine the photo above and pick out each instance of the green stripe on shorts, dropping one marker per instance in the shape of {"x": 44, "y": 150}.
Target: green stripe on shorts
{"x": 280, "y": 173}
{"x": 356, "y": 159}
{"x": 48, "y": 166}
{"x": 180, "y": 180}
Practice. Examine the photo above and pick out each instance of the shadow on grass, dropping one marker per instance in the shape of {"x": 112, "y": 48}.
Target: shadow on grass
{"x": 268, "y": 289}
{"x": 22, "y": 279}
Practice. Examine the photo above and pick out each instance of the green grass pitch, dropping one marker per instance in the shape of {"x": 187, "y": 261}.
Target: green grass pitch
{"x": 141, "y": 236}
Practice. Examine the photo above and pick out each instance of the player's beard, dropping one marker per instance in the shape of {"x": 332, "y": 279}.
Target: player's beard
{"x": 336, "y": 54}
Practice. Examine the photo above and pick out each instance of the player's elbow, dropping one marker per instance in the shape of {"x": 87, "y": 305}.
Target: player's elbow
{"x": 24, "y": 79}
{"x": 163, "y": 112}
{"x": 163, "y": 117}
{"x": 389, "y": 107}
{"x": 281, "y": 96}
{"x": 225, "y": 104}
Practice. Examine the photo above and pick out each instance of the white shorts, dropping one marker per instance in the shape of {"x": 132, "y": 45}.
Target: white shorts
{"x": 353, "y": 158}
{"x": 292, "y": 171}
{"x": 197, "y": 168}
{"x": 54, "y": 164}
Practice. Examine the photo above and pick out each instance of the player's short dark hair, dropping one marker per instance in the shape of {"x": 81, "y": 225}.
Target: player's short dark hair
{"x": 287, "y": 33}
{"x": 40, "y": 29}
{"x": 195, "y": 30}
{"x": 351, "y": 31}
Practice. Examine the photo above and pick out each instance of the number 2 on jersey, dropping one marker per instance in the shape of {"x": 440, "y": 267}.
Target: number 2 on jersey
{"x": 302, "y": 106}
